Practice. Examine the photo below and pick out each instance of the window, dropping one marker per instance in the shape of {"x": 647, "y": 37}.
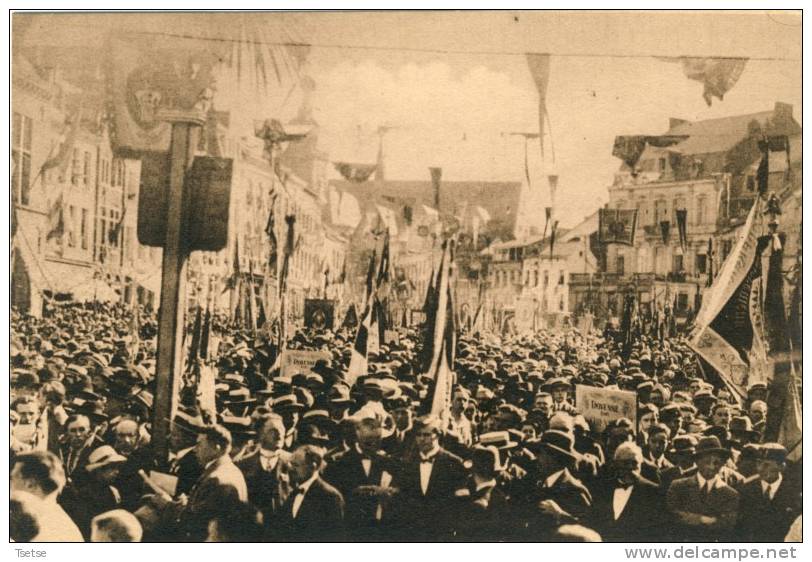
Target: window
{"x": 660, "y": 211}
{"x": 71, "y": 226}
{"x": 701, "y": 203}
{"x": 682, "y": 302}
{"x": 701, "y": 263}
{"x": 546, "y": 277}
{"x": 751, "y": 183}
{"x": 561, "y": 277}
{"x": 22, "y": 128}
{"x": 75, "y": 167}
{"x": 561, "y": 304}
{"x": 679, "y": 203}
{"x": 661, "y": 164}
{"x": 620, "y": 265}
{"x": 83, "y": 229}
{"x": 678, "y": 263}
{"x": 536, "y": 278}
{"x": 86, "y": 169}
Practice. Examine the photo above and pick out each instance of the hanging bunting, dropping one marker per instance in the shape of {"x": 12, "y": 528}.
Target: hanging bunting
{"x": 682, "y": 219}
{"x": 718, "y": 75}
{"x": 356, "y": 173}
{"x": 617, "y": 226}
{"x": 539, "y": 65}
{"x": 553, "y": 181}
{"x": 665, "y": 231}
{"x": 552, "y": 238}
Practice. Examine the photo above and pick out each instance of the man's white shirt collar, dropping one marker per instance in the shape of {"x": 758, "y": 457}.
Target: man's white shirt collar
{"x": 772, "y": 488}
{"x": 553, "y": 478}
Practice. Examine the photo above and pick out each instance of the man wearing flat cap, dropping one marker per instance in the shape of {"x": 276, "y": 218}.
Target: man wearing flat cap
{"x": 771, "y": 502}
{"x": 703, "y": 507}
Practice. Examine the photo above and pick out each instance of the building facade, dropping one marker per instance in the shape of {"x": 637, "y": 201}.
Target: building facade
{"x": 74, "y": 202}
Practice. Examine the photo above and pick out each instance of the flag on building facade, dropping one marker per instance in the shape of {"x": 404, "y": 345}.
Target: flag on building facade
{"x": 665, "y": 231}
{"x": 114, "y": 233}
{"x": 729, "y": 327}
{"x": 56, "y": 219}
{"x": 61, "y": 156}
{"x": 682, "y": 220}
{"x": 617, "y": 226}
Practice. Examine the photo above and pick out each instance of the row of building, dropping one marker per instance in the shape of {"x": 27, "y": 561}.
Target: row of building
{"x": 76, "y": 205}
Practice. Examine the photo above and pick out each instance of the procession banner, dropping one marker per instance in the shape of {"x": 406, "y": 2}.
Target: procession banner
{"x": 295, "y": 362}
{"x": 729, "y": 326}
{"x": 319, "y": 314}
{"x": 599, "y": 406}
{"x": 617, "y": 226}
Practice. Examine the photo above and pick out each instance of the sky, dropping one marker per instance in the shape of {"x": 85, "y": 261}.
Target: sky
{"x": 452, "y": 85}
{"x": 451, "y": 109}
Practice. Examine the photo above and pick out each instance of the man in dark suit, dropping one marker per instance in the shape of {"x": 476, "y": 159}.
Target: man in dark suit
{"x": 427, "y": 482}
{"x": 627, "y": 508}
{"x": 314, "y": 511}
{"x": 363, "y": 475}
{"x": 703, "y": 507}
{"x": 266, "y": 470}
{"x": 555, "y": 496}
{"x": 769, "y": 503}
{"x": 483, "y": 512}
{"x": 681, "y": 454}
{"x": 220, "y": 484}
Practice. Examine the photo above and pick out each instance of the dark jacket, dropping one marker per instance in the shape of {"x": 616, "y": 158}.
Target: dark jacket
{"x": 481, "y": 515}
{"x": 320, "y": 517}
{"x": 568, "y": 492}
{"x": 686, "y": 503}
{"x": 641, "y": 519}
{"x": 765, "y": 520}
{"x": 418, "y": 516}
{"x": 346, "y": 473}
{"x": 267, "y": 490}
{"x": 220, "y": 485}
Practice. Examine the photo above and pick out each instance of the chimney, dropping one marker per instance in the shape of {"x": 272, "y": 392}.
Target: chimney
{"x": 675, "y": 122}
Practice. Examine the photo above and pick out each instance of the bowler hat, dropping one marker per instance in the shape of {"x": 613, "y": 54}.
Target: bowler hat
{"x": 558, "y": 442}
{"x": 710, "y": 445}
{"x": 683, "y": 444}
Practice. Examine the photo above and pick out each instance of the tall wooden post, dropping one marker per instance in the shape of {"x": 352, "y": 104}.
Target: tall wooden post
{"x": 173, "y": 288}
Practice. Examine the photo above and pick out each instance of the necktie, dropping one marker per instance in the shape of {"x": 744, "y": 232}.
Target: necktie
{"x": 426, "y": 459}
{"x": 767, "y": 494}
{"x": 706, "y": 489}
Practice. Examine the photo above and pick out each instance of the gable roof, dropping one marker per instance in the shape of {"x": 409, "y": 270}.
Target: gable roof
{"x": 500, "y": 199}
{"x": 723, "y": 133}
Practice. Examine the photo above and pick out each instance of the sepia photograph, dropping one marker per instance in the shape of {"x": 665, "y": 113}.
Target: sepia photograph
{"x": 430, "y": 276}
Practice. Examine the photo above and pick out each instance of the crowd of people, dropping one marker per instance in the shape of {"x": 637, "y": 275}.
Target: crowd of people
{"x": 310, "y": 457}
